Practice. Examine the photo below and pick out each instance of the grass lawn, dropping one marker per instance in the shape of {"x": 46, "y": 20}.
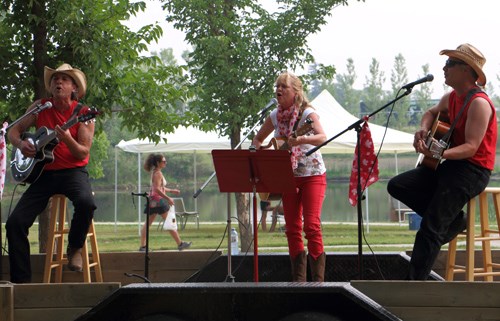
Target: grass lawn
{"x": 338, "y": 237}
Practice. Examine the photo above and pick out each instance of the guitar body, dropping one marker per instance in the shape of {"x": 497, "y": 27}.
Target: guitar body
{"x": 439, "y": 128}
{"x": 280, "y": 143}
{"x": 26, "y": 169}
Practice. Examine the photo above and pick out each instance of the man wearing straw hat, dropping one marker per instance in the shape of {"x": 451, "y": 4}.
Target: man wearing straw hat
{"x": 455, "y": 167}
{"x": 66, "y": 175}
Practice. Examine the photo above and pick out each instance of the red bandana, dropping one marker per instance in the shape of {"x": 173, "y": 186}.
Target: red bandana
{"x": 368, "y": 167}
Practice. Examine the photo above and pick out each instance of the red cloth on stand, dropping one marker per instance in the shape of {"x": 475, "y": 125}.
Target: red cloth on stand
{"x": 369, "y": 164}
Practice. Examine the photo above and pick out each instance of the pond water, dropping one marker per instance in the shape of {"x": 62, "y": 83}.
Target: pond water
{"x": 212, "y": 205}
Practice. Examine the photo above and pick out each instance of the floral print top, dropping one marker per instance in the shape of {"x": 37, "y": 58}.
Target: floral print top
{"x": 311, "y": 165}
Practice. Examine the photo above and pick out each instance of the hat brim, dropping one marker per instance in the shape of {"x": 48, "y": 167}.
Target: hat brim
{"x": 77, "y": 75}
{"x": 481, "y": 79}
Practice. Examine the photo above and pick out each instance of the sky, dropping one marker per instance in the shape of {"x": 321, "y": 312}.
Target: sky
{"x": 382, "y": 29}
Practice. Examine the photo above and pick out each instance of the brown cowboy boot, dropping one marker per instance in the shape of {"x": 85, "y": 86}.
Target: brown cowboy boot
{"x": 299, "y": 267}
{"x": 317, "y": 267}
{"x": 75, "y": 260}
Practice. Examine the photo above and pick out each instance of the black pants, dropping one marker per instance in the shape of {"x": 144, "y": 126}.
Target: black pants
{"x": 75, "y": 184}
{"x": 438, "y": 196}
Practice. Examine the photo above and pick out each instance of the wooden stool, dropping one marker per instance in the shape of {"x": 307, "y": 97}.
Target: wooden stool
{"x": 56, "y": 260}
{"x": 489, "y": 269}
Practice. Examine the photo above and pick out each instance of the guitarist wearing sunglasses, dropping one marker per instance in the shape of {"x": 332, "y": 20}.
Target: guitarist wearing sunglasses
{"x": 63, "y": 152}
{"x": 457, "y": 165}
{"x": 302, "y": 208}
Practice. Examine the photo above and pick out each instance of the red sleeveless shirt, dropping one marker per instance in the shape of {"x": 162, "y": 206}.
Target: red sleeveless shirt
{"x": 485, "y": 154}
{"x": 63, "y": 158}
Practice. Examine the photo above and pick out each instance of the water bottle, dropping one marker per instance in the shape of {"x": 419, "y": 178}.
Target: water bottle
{"x": 234, "y": 242}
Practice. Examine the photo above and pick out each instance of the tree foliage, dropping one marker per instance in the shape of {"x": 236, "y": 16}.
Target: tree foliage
{"x": 345, "y": 85}
{"x": 373, "y": 94}
{"x": 238, "y": 50}
{"x": 399, "y": 77}
{"x": 89, "y": 35}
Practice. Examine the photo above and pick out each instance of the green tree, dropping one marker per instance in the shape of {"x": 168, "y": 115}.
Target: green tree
{"x": 373, "y": 92}
{"x": 239, "y": 48}
{"x": 421, "y": 100}
{"x": 317, "y": 85}
{"x": 89, "y": 35}
{"x": 347, "y": 96}
{"x": 399, "y": 77}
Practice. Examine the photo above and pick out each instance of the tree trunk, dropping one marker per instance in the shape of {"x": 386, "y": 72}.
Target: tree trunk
{"x": 244, "y": 222}
{"x": 39, "y": 30}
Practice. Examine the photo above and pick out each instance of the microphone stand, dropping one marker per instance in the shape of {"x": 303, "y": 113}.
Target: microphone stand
{"x": 146, "y": 253}
{"x": 357, "y": 127}
{"x": 35, "y": 111}
{"x": 3, "y": 131}
{"x": 230, "y": 276}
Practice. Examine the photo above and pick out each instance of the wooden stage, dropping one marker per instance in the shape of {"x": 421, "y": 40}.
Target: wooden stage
{"x": 179, "y": 288}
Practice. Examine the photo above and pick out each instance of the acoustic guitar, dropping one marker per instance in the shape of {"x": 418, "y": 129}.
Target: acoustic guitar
{"x": 281, "y": 143}
{"x": 439, "y": 128}
{"x": 26, "y": 169}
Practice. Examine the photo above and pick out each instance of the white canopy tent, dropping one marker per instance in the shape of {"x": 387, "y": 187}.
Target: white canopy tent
{"x": 334, "y": 119}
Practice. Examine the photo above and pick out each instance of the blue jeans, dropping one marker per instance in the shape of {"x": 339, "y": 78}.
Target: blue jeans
{"x": 439, "y": 197}
{"x": 75, "y": 184}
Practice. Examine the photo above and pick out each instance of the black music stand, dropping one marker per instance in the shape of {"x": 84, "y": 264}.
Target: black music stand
{"x": 145, "y": 278}
{"x": 245, "y": 171}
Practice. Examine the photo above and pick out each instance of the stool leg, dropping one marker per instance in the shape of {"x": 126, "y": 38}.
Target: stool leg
{"x": 56, "y": 239}
{"x": 95, "y": 254}
{"x": 50, "y": 247}
{"x": 96, "y": 262}
{"x": 469, "y": 264}
{"x": 451, "y": 259}
{"x": 485, "y": 234}
{"x": 85, "y": 263}
{"x": 496, "y": 202}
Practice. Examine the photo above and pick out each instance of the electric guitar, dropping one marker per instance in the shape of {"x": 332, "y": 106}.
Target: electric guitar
{"x": 439, "y": 128}
{"x": 27, "y": 170}
{"x": 281, "y": 143}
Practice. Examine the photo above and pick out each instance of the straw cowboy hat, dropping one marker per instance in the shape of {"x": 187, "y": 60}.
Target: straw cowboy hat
{"x": 471, "y": 56}
{"x": 77, "y": 75}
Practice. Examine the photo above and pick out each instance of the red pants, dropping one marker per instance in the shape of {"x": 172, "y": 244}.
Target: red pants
{"x": 304, "y": 206}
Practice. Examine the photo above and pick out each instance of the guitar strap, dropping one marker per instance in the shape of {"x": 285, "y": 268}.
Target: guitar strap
{"x": 471, "y": 92}
{"x": 297, "y": 122}
{"x": 77, "y": 110}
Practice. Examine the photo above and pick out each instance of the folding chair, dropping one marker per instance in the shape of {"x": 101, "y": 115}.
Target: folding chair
{"x": 183, "y": 215}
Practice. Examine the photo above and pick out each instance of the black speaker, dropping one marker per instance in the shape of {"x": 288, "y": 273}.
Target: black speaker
{"x": 237, "y": 301}
{"x": 275, "y": 267}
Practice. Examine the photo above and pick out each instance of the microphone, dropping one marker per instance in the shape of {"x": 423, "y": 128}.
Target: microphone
{"x": 427, "y": 78}
{"x": 47, "y": 105}
{"x": 269, "y": 104}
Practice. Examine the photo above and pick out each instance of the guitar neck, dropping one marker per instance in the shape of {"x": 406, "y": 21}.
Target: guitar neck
{"x": 53, "y": 135}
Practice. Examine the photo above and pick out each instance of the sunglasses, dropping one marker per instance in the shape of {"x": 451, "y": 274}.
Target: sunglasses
{"x": 450, "y": 63}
